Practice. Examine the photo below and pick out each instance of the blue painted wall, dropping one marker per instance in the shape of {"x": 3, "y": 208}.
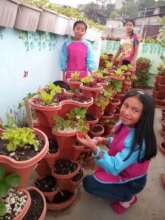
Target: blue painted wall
{"x": 28, "y": 61}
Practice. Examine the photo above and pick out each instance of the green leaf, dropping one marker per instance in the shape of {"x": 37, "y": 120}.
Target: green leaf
{"x": 3, "y": 188}
{"x": 13, "y": 180}
{"x": 2, "y": 209}
{"x": 2, "y": 172}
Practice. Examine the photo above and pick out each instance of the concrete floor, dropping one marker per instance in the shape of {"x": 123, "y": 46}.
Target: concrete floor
{"x": 151, "y": 202}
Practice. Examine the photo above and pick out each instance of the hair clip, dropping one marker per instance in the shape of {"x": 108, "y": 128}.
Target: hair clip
{"x": 141, "y": 92}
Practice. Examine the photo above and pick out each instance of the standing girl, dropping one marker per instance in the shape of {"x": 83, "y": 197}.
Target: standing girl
{"x": 121, "y": 171}
{"x": 77, "y": 54}
{"x": 128, "y": 45}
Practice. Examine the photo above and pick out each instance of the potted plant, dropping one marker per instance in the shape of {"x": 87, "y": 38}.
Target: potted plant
{"x": 27, "y": 17}
{"x": 89, "y": 86}
{"x": 51, "y": 21}
{"x": 74, "y": 81}
{"x": 37, "y": 209}
{"x": 142, "y": 72}
{"x": 48, "y": 186}
{"x": 66, "y": 128}
{"x": 97, "y": 130}
{"x": 53, "y": 153}
{"x": 8, "y": 12}
{"x": 14, "y": 203}
{"x": 64, "y": 170}
{"x": 22, "y": 149}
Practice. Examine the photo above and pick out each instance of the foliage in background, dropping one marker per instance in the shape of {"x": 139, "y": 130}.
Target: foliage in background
{"x": 65, "y": 10}
{"x": 142, "y": 71}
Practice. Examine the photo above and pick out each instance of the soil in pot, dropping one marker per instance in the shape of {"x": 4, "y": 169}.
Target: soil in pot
{"x": 36, "y": 206}
{"x": 90, "y": 117}
{"x": 97, "y": 129}
{"x": 81, "y": 98}
{"x": 62, "y": 196}
{"x": 53, "y": 146}
{"x": 46, "y": 184}
{"x": 78, "y": 176}
{"x": 22, "y": 153}
{"x": 64, "y": 166}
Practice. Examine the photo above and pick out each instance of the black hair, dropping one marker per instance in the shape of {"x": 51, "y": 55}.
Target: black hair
{"x": 129, "y": 20}
{"x": 62, "y": 84}
{"x": 144, "y": 131}
{"x": 80, "y": 22}
{"x": 133, "y": 22}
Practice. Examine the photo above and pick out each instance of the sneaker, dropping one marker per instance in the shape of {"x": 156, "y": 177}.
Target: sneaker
{"x": 118, "y": 208}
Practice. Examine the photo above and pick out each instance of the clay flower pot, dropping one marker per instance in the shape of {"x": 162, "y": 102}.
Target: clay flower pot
{"x": 73, "y": 84}
{"x": 44, "y": 186}
{"x": 64, "y": 204}
{"x": 64, "y": 180}
{"x": 97, "y": 130}
{"x": 34, "y": 204}
{"x": 24, "y": 168}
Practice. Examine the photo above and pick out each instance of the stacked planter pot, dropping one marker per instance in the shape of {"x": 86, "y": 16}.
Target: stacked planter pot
{"x": 159, "y": 88}
{"x": 162, "y": 145}
{"x": 65, "y": 151}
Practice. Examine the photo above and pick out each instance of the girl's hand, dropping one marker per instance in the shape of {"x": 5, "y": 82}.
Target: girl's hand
{"x": 87, "y": 141}
{"x": 99, "y": 140}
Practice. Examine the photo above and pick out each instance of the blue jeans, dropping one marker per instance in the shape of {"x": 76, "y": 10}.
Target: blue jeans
{"x": 112, "y": 191}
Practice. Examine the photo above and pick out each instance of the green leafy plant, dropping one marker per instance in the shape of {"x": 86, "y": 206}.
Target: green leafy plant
{"x": 86, "y": 80}
{"x": 75, "y": 120}
{"x": 75, "y": 76}
{"x": 6, "y": 182}
{"x": 104, "y": 98}
{"x": 142, "y": 71}
{"x": 116, "y": 85}
{"x": 19, "y": 138}
{"x": 47, "y": 96}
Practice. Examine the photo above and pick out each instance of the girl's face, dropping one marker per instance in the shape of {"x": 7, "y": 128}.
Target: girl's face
{"x": 129, "y": 27}
{"x": 131, "y": 111}
{"x": 79, "y": 31}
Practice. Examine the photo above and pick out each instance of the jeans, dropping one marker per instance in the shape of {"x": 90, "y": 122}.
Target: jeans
{"x": 112, "y": 191}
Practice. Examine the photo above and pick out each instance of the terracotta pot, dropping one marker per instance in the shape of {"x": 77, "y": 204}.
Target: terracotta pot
{"x": 43, "y": 168}
{"x": 64, "y": 205}
{"x": 112, "y": 106}
{"x": 45, "y": 113}
{"x": 64, "y": 181}
{"x": 43, "y": 214}
{"x": 65, "y": 141}
{"x": 98, "y": 133}
{"x": 78, "y": 150}
{"x": 48, "y": 195}
{"x": 73, "y": 84}
{"x": 95, "y": 110}
{"x": 27, "y": 18}
{"x": 161, "y": 87}
{"x": 91, "y": 91}
{"x": 8, "y": 12}
{"x": 24, "y": 168}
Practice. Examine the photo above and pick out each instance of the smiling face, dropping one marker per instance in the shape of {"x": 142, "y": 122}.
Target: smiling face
{"x": 131, "y": 111}
{"x": 79, "y": 31}
{"x": 129, "y": 26}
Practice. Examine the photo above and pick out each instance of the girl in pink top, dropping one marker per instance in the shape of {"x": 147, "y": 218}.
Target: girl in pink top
{"x": 121, "y": 171}
{"x": 128, "y": 45}
{"x": 77, "y": 54}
